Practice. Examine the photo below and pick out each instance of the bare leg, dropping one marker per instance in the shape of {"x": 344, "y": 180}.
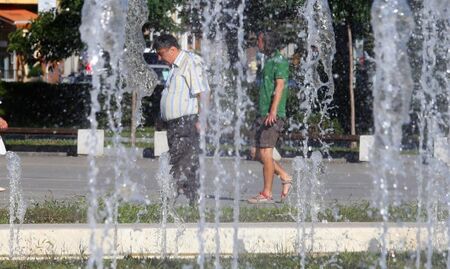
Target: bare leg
{"x": 278, "y": 169}
{"x": 268, "y": 169}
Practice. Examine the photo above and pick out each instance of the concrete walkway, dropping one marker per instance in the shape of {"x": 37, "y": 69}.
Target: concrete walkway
{"x": 61, "y": 177}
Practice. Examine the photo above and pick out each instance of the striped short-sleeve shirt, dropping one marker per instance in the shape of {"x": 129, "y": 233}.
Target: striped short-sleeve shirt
{"x": 187, "y": 78}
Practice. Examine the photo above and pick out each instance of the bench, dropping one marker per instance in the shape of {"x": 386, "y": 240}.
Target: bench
{"x": 328, "y": 137}
{"x": 60, "y": 132}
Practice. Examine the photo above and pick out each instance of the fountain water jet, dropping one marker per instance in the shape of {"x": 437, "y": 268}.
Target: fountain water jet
{"x": 17, "y": 204}
{"x": 392, "y": 26}
{"x": 316, "y": 96}
{"x": 103, "y": 30}
{"x": 164, "y": 180}
{"x": 215, "y": 59}
{"x": 432, "y": 97}
{"x": 320, "y": 43}
{"x": 222, "y": 19}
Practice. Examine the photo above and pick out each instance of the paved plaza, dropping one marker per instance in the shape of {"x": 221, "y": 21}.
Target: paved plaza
{"x": 62, "y": 177}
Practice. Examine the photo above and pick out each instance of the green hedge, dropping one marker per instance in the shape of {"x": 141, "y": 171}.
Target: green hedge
{"x": 39, "y": 104}
{"x": 43, "y": 105}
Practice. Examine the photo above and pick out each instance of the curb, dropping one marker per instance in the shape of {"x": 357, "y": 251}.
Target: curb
{"x": 70, "y": 240}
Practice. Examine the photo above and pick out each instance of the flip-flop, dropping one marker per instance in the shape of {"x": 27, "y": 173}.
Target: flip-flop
{"x": 284, "y": 196}
{"x": 261, "y": 198}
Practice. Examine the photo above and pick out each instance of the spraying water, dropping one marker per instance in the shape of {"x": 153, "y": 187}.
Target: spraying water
{"x": 243, "y": 103}
{"x": 17, "y": 204}
{"x": 103, "y": 30}
{"x": 164, "y": 180}
{"x": 140, "y": 80}
{"x": 392, "y": 26}
{"x": 216, "y": 59}
{"x": 317, "y": 68}
{"x": 432, "y": 114}
{"x": 316, "y": 96}
{"x": 166, "y": 184}
{"x": 227, "y": 110}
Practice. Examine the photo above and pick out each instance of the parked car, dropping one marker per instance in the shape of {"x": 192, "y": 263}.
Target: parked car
{"x": 77, "y": 79}
{"x": 161, "y": 69}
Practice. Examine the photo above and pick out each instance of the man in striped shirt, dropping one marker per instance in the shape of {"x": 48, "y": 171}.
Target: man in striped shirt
{"x": 185, "y": 91}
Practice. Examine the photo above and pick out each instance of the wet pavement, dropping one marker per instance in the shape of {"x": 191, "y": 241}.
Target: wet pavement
{"x": 62, "y": 177}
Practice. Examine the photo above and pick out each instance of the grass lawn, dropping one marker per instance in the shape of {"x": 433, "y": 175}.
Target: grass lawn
{"x": 76, "y": 212}
{"x": 358, "y": 260}
{"x": 144, "y": 132}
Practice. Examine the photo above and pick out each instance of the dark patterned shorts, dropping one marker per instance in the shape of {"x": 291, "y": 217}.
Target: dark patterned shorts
{"x": 266, "y": 136}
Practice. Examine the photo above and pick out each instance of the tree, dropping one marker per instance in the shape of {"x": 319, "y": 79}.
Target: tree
{"x": 55, "y": 33}
{"x": 276, "y": 15}
{"x": 159, "y": 11}
{"x": 355, "y": 17}
{"x": 21, "y": 45}
{"x": 51, "y": 37}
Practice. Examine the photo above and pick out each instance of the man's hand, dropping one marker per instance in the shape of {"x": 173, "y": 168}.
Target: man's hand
{"x": 270, "y": 119}
{"x": 200, "y": 127}
{"x": 272, "y": 116}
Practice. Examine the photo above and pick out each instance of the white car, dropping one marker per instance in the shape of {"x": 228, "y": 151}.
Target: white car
{"x": 162, "y": 71}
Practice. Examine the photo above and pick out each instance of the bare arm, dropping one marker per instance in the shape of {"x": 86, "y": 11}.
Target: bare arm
{"x": 3, "y": 123}
{"x": 272, "y": 116}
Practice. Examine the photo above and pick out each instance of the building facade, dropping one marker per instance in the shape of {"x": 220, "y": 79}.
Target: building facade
{"x": 14, "y": 14}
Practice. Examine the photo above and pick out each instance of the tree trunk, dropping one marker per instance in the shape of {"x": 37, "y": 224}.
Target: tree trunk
{"x": 20, "y": 72}
{"x": 350, "y": 84}
{"x": 133, "y": 118}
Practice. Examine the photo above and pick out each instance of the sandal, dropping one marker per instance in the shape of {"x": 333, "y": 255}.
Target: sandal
{"x": 261, "y": 198}
{"x": 284, "y": 196}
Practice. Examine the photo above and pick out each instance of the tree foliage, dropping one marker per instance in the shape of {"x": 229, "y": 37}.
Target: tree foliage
{"x": 355, "y": 13}
{"x": 18, "y": 42}
{"x": 52, "y": 36}
{"x": 352, "y": 17}
{"x": 276, "y": 15}
{"x": 159, "y": 14}
{"x": 55, "y": 35}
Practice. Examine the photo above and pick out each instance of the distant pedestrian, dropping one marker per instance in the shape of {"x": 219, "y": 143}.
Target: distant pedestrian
{"x": 272, "y": 98}
{"x": 183, "y": 98}
{"x": 3, "y": 125}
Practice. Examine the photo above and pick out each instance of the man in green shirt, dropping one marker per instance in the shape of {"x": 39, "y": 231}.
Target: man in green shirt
{"x": 271, "y": 116}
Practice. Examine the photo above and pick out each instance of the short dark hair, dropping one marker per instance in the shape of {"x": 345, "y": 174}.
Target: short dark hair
{"x": 165, "y": 41}
{"x": 272, "y": 42}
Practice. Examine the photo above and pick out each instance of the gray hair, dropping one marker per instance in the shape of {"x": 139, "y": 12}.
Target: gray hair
{"x": 165, "y": 41}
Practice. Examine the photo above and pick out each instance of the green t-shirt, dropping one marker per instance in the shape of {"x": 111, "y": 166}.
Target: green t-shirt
{"x": 276, "y": 67}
